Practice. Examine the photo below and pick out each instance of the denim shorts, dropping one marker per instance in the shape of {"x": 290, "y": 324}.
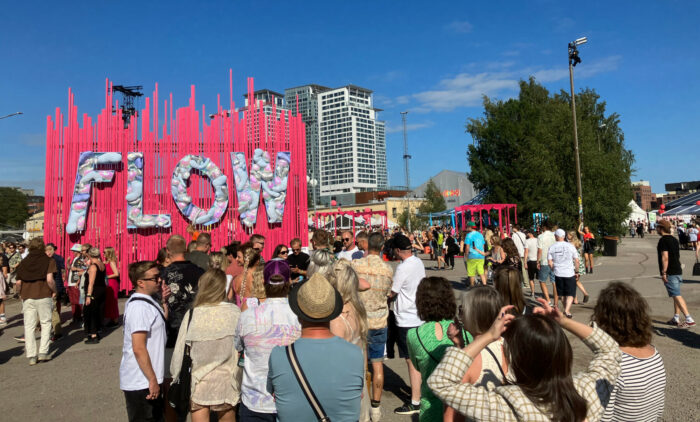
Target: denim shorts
{"x": 545, "y": 272}
{"x": 673, "y": 286}
{"x": 376, "y": 343}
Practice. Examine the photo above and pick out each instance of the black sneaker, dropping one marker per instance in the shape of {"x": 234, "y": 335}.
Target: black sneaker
{"x": 92, "y": 340}
{"x": 407, "y": 409}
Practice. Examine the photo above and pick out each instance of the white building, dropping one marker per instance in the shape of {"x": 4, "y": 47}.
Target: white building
{"x": 349, "y": 146}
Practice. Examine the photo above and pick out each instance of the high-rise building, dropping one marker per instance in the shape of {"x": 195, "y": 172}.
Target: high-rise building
{"x": 382, "y": 174}
{"x": 306, "y": 98}
{"x": 348, "y": 147}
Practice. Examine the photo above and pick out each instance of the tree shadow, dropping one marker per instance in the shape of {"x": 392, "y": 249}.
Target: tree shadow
{"x": 686, "y": 337}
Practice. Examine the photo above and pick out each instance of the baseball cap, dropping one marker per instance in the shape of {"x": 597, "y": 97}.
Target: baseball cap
{"x": 401, "y": 242}
{"x": 560, "y": 233}
{"x": 276, "y": 267}
{"x": 471, "y": 224}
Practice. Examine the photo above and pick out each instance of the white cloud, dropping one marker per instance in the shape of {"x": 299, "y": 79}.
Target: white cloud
{"x": 467, "y": 89}
{"x": 393, "y": 128}
{"x": 460, "y": 27}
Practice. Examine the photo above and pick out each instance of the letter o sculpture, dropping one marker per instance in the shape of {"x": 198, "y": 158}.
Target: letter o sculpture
{"x": 178, "y": 187}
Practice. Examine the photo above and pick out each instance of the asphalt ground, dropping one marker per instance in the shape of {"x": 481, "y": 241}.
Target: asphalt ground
{"x": 81, "y": 382}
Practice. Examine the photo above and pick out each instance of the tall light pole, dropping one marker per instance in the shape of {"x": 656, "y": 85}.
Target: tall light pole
{"x": 10, "y": 115}
{"x": 406, "y": 157}
{"x": 574, "y": 59}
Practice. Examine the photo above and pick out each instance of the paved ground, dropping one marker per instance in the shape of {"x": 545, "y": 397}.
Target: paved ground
{"x": 81, "y": 382}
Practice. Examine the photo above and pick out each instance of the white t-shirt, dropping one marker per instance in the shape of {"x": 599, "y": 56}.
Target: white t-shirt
{"x": 531, "y": 244}
{"x": 562, "y": 255}
{"x": 406, "y": 279}
{"x": 544, "y": 241}
{"x": 347, "y": 254}
{"x": 141, "y": 316}
{"x": 520, "y": 240}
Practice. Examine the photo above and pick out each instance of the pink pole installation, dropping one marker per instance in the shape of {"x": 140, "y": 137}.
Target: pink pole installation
{"x": 186, "y": 131}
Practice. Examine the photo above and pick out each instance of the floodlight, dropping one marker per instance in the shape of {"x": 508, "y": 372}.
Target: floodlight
{"x": 581, "y": 40}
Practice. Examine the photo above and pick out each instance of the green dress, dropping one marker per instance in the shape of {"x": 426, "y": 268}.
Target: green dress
{"x": 426, "y": 351}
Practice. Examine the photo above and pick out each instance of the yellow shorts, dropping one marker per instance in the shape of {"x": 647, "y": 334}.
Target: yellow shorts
{"x": 475, "y": 267}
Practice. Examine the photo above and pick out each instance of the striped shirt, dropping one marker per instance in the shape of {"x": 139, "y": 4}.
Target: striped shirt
{"x": 638, "y": 394}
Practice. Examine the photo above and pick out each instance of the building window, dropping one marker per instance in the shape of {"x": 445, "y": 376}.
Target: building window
{"x": 393, "y": 213}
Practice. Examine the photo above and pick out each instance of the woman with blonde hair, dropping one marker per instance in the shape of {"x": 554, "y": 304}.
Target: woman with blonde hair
{"x": 351, "y": 324}
{"x": 574, "y": 240}
{"x": 113, "y": 287}
{"x": 322, "y": 262}
{"x": 209, "y": 331}
{"x": 217, "y": 260}
{"x": 247, "y": 288}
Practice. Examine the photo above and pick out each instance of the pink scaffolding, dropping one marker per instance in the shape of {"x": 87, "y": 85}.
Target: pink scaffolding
{"x": 330, "y": 216}
{"x": 504, "y": 211}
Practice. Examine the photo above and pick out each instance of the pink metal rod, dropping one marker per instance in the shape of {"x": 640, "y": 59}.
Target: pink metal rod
{"x": 183, "y": 131}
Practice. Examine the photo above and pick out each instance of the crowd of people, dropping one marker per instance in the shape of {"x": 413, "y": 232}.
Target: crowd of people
{"x": 233, "y": 335}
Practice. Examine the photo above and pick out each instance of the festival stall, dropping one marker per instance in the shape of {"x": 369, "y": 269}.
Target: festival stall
{"x": 367, "y": 218}
{"x": 481, "y": 215}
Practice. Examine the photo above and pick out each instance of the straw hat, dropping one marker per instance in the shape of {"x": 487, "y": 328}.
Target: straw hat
{"x": 316, "y": 300}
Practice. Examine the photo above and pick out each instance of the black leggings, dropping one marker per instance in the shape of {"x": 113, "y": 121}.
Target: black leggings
{"x": 94, "y": 312}
{"x": 450, "y": 259}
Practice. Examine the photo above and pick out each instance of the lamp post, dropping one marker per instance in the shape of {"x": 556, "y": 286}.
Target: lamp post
{"x": 10, "y": 115}
{"x": 574, "y": 59}
{"x": 406, "y": 157}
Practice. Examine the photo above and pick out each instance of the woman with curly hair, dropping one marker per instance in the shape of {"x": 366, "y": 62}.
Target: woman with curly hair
{"x": 511, "y": 255}
{"x": 428, "y": 343}
{"x": 638, "y": 394}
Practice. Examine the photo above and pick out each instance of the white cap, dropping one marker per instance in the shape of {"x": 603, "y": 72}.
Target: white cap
{"x": 560, "y": 233}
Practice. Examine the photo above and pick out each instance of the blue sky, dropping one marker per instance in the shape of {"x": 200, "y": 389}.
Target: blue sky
{"x": 434, "y": 59}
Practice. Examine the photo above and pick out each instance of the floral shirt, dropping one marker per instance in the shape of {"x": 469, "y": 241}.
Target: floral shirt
{"x": 260, "y": 329}
{"x": 181, "y": 277}
{"x": 14, "y": 261}
{"x": 379, "y": 275}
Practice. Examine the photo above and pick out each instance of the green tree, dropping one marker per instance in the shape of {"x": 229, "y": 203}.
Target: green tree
{"x": 434, "y": 201}
{"x": 14, "y": 211}
{"x": 523, "y": 153}
{"x": 417, "y": 222}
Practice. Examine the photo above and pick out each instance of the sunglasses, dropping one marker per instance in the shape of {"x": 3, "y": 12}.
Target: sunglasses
{"x": 284, "y": 252}
{"x": 296, "y": 250}
{"x": 346, "y": 239}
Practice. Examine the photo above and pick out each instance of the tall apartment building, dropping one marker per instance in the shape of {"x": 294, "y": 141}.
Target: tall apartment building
{"x": 642, "y": 194}
{"x": 348, "y": 147}
{"x": 345, "y": 143}
{"x": 306, "y": 98}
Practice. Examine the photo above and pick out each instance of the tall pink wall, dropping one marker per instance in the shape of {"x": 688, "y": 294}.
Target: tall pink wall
{"x": 164, "y": 137}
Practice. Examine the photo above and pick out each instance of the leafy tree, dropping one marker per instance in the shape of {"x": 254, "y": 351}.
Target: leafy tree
{"x": 14, "y": 211}
{"x": 523, "y": 154}
{"x": 434, "y": 201}
{"x": 417, "y": 222}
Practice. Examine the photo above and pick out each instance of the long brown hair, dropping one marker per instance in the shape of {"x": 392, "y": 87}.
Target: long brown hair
{"x": 507, "y": 283}
{"x": 624, "y": 314}
{"x": 250, "y": 260}
{"x": 509, "y": 247}
{"x": 211, "y": 288}
{"x": 540, "y": 357}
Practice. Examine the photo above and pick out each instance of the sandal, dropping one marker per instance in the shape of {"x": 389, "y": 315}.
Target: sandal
{"x": 568, "y": 315}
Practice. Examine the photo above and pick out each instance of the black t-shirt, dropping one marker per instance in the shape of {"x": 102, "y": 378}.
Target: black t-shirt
{"x": 670, "y": 244}
{"x": 300, "y": 261}
{"x": 182, "y": 278}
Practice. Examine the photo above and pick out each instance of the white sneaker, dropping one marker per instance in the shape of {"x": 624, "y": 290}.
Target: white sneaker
{"x": 375, "y": 413}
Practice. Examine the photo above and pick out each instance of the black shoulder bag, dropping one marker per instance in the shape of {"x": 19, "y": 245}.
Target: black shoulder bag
{"x": 305, "y": 387}
{"x": 181, "y": 388}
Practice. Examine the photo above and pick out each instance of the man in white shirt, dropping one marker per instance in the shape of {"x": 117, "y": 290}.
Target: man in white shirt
{"x": 349, "y": 247}
{"x": 563, "y": 259}
{"x": 403, "y": 291}
{"x": 544, "y": 241}
{"x": 531, "y": 261}
{"x": 142, "y": 367}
